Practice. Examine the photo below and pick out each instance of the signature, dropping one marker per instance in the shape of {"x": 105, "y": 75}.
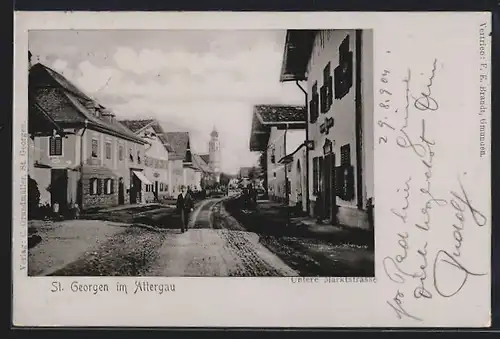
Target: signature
{"x": 426, "y": 102}
{"x": 449, "y": 263}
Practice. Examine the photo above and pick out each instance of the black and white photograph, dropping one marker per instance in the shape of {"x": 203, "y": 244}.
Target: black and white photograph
{"x": 251, "y": 169}
{"x": 203, "y": 153}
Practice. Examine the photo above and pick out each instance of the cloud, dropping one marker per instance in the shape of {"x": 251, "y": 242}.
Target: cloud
{"x": 95, "y": 79}
{"x": 193, "y": 80}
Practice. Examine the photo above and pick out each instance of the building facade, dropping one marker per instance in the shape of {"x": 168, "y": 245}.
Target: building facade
{"x": 337, "y": 69}
{"x": 277, "y": 130}
{"x": 280, "y": 144}
{"x": 156, "y": 163}
{"x": 183, "y": 172}
{"x": 97, "y": 162}
{"x": 294, "y": 164}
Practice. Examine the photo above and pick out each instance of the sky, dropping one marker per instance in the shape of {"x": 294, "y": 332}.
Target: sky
{"x": 188, "y": 80}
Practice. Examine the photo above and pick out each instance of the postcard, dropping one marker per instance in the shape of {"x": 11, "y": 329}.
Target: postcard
{"x": 231, "y": 169}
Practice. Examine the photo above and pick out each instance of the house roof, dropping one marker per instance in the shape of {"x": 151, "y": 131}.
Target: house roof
{"x": 40, "y": 121}
{"x": 67, "y": 105}
{"x": 275, "y": 114}
{"x": 280, "y": 116}
{"x": 289, "y": 157}
{"x": 298, "y": 48}
{"x": 200, "y": 164}
{"x": 137, "y": 126}
{"x": 205, "y": 157}
{"x": 179, "y": 141}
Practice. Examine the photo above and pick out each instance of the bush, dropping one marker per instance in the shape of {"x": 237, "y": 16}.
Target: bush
{"x": 33, "y": 198}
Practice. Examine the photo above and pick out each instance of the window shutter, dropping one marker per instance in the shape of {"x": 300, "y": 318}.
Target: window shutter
{"x": 99, "y": 186}
{"x": 112, "y": 186}
{"x": 345, "y": 154}
{"x": 323, "y": 99}
{"x": 91, "y": 186}
{"x": 330, "y": 92}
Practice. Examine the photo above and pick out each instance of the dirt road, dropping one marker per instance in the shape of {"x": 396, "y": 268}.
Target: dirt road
{"x": 215, "y": 245}
{"x": 147, "y": 241}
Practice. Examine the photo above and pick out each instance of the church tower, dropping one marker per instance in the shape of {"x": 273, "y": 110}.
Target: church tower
{"x": 214, "y": 153}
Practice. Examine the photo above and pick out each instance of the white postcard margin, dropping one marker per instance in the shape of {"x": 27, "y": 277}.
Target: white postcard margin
{"x": 432, "y": 189}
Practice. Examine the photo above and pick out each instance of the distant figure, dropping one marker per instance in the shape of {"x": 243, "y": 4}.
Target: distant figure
{"x": 185, "y": 206}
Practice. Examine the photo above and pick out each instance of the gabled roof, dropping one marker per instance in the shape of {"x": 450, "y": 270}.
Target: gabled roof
{"x": 289, "y": 157}
{"x": 40, "y": 122}
{"x": 137, "y": 126}
{"x": 298, "y": 48}
{"x": 200, "y": 164}
{"x": 275, "y": 114}
{"x": 205, "y": 157}
{"x": 179, "y": 141}
{"x": 67, "y": 105}
{"x": 280, "y": 116}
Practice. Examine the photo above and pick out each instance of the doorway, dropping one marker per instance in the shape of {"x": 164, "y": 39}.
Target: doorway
{"x": 121, "y": 192}
{"x": 329, "y": 195}
{"x": 59, "y": 188}
{"x": 299, "y": 185}
{"x": 135, "y": 188}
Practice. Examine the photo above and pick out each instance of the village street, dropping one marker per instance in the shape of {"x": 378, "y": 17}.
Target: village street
{"x": 148, "y": 242}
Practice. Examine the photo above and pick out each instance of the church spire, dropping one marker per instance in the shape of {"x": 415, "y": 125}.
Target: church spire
{"x": 214, "y": 132}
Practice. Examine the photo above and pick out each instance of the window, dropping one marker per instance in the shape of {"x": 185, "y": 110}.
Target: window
{"x": 326, "y": 90}
{"x": 55, "y": 146}
{"x": 131, "y": 155}
{"x": 161, "y": 187}
{"x": 138, "y": 157}
{"x": 95, "y": 186}
{"x": 120, "y": 152}
{"x": 109, "y": 186}
{"x": 343, "y": 72}
{"x": 95, "y": 148}
{"x": 313, "y": 104}
{"x": 108, "y": 149}
{"x": 273, "y": 156}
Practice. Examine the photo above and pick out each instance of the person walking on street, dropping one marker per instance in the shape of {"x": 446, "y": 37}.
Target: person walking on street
{"x": 185, "y": 206}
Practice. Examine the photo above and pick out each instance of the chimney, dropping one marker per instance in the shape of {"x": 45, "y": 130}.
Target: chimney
{"x": 107, "y": 114}
{"x": 89, "y": 105}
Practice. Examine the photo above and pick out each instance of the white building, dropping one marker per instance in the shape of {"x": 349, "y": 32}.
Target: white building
{"x": 336, "y": 67}
{"x": 295, "y": 164}
{"x": 277, "y": 130}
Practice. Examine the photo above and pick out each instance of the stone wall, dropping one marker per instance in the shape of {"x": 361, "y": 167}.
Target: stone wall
{"x": 101, "y": 199}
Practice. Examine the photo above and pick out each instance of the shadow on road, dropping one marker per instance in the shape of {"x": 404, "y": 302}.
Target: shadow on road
{"x": 275, "y": 222}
